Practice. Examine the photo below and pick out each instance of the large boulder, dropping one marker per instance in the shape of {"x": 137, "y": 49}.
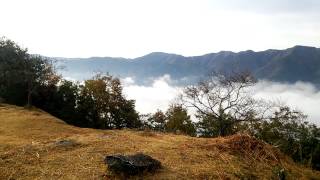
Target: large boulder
{"x": 136, "y": 164}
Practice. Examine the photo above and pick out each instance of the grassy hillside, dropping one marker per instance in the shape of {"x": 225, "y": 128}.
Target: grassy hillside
{"x": 35, "y": 145}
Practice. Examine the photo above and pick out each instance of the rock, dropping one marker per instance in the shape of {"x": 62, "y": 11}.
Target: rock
{"x": 132, "y": 165}
{"x": 66, "y": 143}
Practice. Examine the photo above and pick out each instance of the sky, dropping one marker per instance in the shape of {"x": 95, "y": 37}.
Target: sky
{"x": 127, "y": 28}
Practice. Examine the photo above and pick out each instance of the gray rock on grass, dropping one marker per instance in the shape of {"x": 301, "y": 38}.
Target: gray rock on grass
{"x": 136, "y": 164}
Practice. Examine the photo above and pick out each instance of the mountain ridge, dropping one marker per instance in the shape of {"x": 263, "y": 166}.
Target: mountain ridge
{"x": 161, "y": 52}
{"x": 298, "y": 63}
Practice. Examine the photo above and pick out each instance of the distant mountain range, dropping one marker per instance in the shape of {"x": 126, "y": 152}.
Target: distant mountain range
{"x": 299, "y": 63}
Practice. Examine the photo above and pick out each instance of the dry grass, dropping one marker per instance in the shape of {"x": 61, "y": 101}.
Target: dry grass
{"x": 35, "y": 145}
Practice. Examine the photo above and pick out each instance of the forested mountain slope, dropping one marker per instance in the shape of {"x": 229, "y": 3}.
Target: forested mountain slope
{"x": 299, "y": 63}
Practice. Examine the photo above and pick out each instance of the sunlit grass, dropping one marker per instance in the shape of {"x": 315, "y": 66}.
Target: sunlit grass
{"x": 29, "y": 150}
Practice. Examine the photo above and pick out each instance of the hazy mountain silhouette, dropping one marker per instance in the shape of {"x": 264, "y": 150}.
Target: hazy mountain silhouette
{"x": 299, "y": 63}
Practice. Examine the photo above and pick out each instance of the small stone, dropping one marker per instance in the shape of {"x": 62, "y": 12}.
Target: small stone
{"x": 66, "y": 143}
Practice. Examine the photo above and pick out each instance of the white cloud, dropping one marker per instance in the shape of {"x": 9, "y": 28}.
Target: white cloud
{"x": 303, "y": 96}
{"x": 160, "y": 94}
{"x": 128, "y": 81}
{"x": 150, "y": 98}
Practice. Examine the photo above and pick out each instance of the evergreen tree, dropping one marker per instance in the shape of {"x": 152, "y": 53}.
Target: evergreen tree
{"x": 178, "y": 120}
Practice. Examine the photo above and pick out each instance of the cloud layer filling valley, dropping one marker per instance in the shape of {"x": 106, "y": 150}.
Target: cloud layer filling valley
{"x": 160, "y": 94}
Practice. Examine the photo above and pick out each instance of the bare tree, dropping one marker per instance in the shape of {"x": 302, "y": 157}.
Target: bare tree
{"x": 222, "y": 101}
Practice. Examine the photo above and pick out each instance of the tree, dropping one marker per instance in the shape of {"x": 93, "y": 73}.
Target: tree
{"x": 123, "y": 112}
{"x": 179, "y": 120}
{"x": 102, "y": 105}
{"x": 39, "y": 72}
{"x": 288, "y": 130}
{"x": 21, "y": 73}
{"x": 12, "y": 86}
{"x": 156, "y": 121}
{"x": 222, "y": 101}
{"x": 65, "y": 101}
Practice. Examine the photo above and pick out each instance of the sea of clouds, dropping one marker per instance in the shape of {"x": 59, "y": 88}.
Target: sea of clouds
{"x": 159, "y": 95}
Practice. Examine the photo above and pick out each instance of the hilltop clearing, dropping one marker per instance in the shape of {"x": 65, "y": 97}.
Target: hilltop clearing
{"x": 36, "y": 145}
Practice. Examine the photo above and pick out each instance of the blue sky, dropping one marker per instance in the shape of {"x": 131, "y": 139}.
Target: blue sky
{"x": 127, "y": 28}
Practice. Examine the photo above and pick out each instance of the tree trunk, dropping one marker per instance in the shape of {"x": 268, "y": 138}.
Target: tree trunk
{"x": 29, "y": 98}
{"x": 221, "y": 127}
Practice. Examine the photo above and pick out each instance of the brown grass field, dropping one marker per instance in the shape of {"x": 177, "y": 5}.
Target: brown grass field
{"x": 30, "y": 149}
